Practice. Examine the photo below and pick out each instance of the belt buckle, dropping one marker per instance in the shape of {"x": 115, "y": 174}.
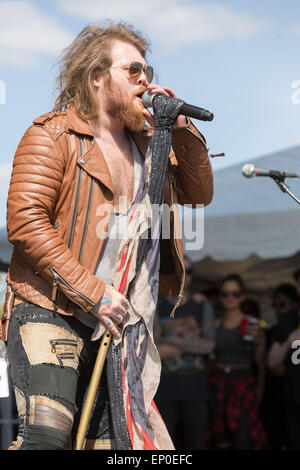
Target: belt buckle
{"x": 227, "y": 369}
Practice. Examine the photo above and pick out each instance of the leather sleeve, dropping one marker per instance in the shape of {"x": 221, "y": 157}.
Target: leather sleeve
{"x": 192, "y": 170}
{"x": 35, "y": 183}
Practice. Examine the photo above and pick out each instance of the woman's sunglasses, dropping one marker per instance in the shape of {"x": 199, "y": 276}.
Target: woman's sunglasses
{"x": 235, "y": 293}
{"x": 135, "y": 69}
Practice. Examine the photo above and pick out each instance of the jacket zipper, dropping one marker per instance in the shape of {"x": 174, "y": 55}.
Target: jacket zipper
{"x": 55, "y": 292}
{"x": 86, "y": 220}
{"x": 180, "y": 295}
{"x": 198, "y": 137}
{"x": 77, "y": 199}
{"x": 57, "y": 278}
{"x": 207, "y": 148}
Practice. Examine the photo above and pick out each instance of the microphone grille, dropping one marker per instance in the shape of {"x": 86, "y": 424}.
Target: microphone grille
{"x": 147, "y": 99}
{"x": 247, "y": 170}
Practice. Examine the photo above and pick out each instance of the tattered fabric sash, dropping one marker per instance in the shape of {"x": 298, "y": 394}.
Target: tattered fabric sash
{"x": 133, "y": 362}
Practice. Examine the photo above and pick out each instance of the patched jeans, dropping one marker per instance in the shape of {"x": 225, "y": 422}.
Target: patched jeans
{"x": 51, "y": 359}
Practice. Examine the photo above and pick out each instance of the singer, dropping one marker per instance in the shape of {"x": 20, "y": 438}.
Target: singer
{"x": 78, "y": 172}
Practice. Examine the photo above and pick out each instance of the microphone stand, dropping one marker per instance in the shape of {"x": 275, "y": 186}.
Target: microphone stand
{"x": 279, "y": 180}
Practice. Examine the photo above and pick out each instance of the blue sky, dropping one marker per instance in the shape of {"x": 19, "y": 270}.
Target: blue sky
{"x": 239, "y": 59}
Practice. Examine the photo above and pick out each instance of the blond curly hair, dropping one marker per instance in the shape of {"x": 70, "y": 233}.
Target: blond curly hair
{"x": 89, "y": 53}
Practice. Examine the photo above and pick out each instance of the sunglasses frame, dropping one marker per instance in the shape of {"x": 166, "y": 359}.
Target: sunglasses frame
{"x": 140, "y": 68}
{"x": 236, "y": 294}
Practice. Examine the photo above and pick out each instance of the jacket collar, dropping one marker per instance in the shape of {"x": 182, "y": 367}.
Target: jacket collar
{"x": 76, "y": 124}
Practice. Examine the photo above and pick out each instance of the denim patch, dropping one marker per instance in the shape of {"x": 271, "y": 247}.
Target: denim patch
{"x": 45, "y": 438}
{"x": 52, "y": 344}
{"x": 53, "y": 381}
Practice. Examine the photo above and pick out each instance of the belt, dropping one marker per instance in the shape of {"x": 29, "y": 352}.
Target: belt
{"x": 11, "y": 300}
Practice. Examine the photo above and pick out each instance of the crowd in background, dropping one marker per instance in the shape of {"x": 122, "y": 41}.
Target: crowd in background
{"x": 229, "y": 380}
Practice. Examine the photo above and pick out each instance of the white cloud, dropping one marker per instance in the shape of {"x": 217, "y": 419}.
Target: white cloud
{"x": 26, "y": 32}
{"x": 172, "y": 22}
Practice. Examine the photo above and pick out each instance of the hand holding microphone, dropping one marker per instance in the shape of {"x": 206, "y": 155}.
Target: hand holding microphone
{"x": 185, "y": 109}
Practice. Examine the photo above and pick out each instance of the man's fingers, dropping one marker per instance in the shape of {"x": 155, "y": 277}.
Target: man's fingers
{"x": 170, "y": 92}
{"x": 111, "y": 326}
{"x": 164, "y": 91}
{"x": 159, "y": 91}
{"x": 113, "y": 310}
{"x": 118, "y": 318}
{"x": 125, "y": 303}
{"x": 123, "y": 312}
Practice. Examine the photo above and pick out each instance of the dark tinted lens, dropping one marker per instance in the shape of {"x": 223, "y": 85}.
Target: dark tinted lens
{"x": 135, "y": 69}
{"x": 149, "y": 73}
{"x": 224, "y": 294}
{"x": 234, "y": 293}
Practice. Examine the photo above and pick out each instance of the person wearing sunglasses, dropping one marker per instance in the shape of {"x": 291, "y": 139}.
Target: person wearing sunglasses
{"x": 234, "y": 392}
{"x": 184, "y": 343}
{"x": 75, "y": 179}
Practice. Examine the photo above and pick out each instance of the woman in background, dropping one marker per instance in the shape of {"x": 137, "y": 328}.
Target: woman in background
{"x": 234, "y": 392}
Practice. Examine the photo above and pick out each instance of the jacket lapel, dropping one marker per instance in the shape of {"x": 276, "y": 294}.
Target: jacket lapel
{"x": 94, "y": 163}
{"x": 93, "y": 160}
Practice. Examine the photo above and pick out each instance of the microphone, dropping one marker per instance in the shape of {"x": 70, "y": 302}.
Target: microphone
{"x": 249, "y": 171}
{"x": 185, "y": 109}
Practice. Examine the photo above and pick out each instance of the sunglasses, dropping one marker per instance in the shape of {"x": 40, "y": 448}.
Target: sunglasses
{"x": 188, "y": 271}
{"x": 135, "y": 70}
{"x": 235, "y": 293}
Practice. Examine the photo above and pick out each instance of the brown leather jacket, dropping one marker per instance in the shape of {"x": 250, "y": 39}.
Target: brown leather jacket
{"x": 59, "y": 182}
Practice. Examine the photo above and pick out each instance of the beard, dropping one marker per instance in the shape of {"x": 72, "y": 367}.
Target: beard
{"x": 121, "y": 107}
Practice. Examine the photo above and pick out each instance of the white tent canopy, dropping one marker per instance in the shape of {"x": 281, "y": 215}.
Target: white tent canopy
{"x": 246, "y": 217}
{"x": 253, "y": 216}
